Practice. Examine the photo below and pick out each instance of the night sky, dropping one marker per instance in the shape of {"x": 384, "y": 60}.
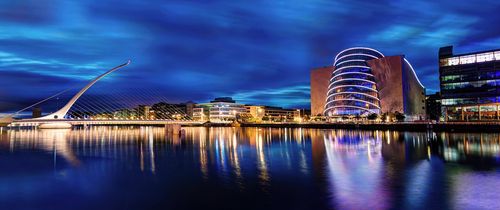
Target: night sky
{"x": 258, "y": 52}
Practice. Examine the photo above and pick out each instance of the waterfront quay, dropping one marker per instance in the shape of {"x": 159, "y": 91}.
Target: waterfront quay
{"x": 395, "y": 126}
{"x": 399, "y": 126}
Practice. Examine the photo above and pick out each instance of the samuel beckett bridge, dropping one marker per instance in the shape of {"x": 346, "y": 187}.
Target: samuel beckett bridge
{"x": 102, "y": 114}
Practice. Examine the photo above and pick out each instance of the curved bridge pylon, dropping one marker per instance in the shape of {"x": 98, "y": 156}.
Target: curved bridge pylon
{"x": 61, "y": 113}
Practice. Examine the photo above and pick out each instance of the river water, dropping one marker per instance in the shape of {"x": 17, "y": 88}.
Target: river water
{"x": 247, "y": 168}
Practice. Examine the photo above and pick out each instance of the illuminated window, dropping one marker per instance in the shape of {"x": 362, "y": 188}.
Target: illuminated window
{"x": 453, "y": 61}
{"x": 451, "y": 78}
{"x": 497, "y": 55}
{"x": 484, "y": 57}
{"x": 443, "y": 62}
{"x": 466, "y": 59}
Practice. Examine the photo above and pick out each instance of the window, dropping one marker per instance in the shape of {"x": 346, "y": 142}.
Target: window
{"x": 466, "y": 59}
{"x": 497, "y": 55}
{"x": 443, "y": 62}
{"x": 453, "y": 61}
{"x": 484, "y": 57}
{"x": 448, "y": 78}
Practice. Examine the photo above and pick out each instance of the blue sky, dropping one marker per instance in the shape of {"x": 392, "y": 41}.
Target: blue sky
{"x": 259, "y": 52}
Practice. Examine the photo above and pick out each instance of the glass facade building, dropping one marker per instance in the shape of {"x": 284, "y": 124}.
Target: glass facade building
{"x": 470, "y": 85}
{"x": 352, "y": 89}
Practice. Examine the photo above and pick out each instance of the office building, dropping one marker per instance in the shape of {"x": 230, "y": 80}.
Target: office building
{"x": 470, "y": 85}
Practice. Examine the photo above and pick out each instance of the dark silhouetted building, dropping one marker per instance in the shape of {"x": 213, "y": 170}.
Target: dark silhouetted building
{"x": 433, "y": 106}
{"x": 188, "y": 108}
{"x": 164, "y": 110}
{"x": 143, "y": 111}
{"x": 37, "y": 112}
{"x": 470, "y": 84}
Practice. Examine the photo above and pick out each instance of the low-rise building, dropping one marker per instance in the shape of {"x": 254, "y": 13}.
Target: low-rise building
{"x": 220, "y": 109}
{"x": 182, "y": 111}
{"x": 143, "y": 112}
{"x": 270, "y": 113}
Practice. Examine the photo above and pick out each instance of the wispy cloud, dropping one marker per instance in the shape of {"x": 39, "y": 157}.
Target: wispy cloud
{"x": 9, "y": 61}
{"x": 291, "y": 97}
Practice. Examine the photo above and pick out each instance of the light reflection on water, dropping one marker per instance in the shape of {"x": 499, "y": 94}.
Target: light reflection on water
{"x": 248, "y": 168}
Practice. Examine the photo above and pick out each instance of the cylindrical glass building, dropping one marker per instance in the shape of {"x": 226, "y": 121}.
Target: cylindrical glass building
{"x": 352, "y": 89}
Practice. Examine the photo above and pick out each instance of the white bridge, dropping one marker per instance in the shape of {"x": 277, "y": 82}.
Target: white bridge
{"x": 58, "y": 120}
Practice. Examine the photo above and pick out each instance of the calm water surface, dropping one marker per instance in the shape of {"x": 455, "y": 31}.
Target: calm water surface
{"x": 247, "y": 168}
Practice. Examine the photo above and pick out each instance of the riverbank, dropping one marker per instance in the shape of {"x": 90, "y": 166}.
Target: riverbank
{"x": 406, "y": 126}
{"x": 413, "y": 126}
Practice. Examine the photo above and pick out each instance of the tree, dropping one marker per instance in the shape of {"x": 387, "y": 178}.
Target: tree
{"x": 372, "y": 116}
{"x": 400, "y": 117}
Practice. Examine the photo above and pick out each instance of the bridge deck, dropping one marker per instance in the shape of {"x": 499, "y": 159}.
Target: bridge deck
{"x": 35, "y": 122}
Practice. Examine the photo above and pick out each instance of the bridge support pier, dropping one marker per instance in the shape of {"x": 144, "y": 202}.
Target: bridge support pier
{"x": 173, "y": 129}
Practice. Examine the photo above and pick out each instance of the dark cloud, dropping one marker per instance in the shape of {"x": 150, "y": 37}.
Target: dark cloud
{"x": 260, "y": 52}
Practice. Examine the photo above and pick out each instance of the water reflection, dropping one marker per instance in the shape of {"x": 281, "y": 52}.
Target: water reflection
{"x": 342, "y": 169}
{"x": 354, "y": 168}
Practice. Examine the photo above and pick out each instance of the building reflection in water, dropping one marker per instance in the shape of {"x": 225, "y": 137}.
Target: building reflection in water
{"x": 262, "y": 165}
{"x": 354, "y": 163}
{"x": 463, "y": 146}
{"x": 389, "y": 169}
{"x": 358, "y": 169}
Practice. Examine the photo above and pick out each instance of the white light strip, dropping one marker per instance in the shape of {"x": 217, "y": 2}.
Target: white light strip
{"x": 340, "y": 86}
{"x": 350, "y": 92}
{"x": 353, "y": 60}
{"x": 349, "y": 79}
{"x": 345, "y": 67}
{"x": 360, "y": 48}
{"x": 355, "y": 54}
{"x": 354, "y": 72}
{"x": 414, "y": 73}
{"x": 346, "y": 106}
{"x": 352, "y": 99}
